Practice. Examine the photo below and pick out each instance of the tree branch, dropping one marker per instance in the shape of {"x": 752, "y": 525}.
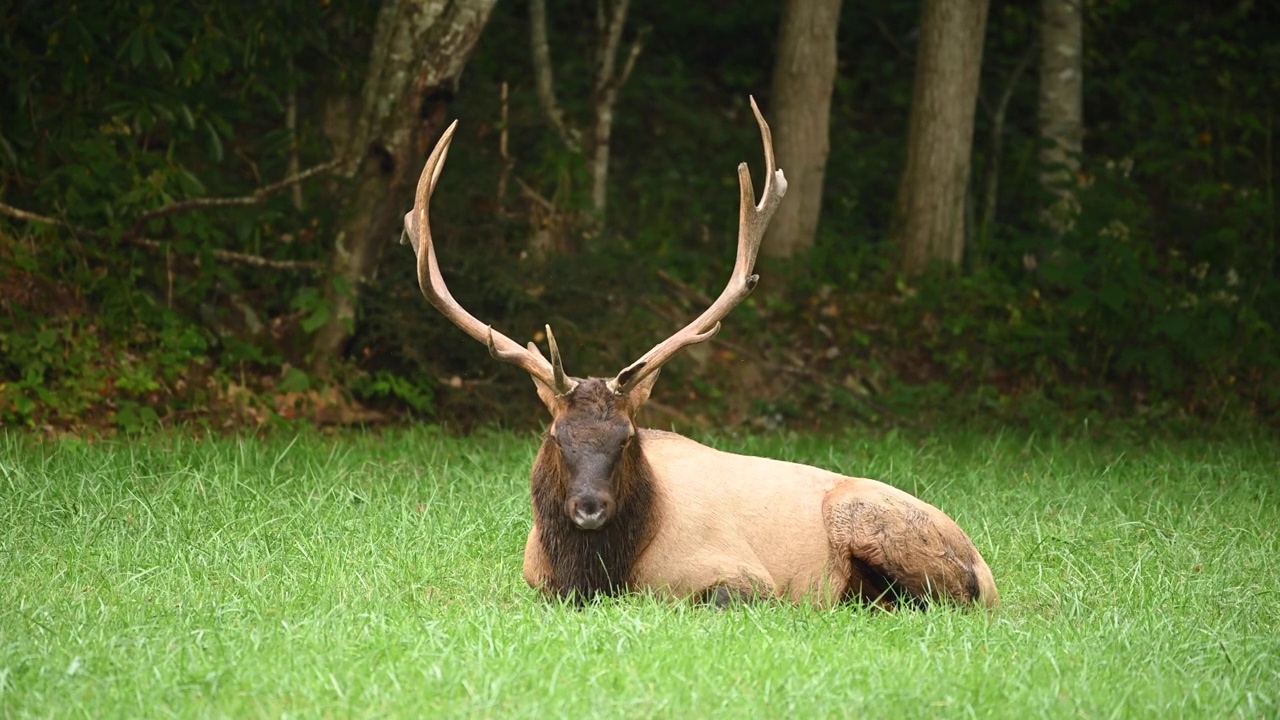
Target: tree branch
{"x": 609, "y": 44}
{"x": 535, "y": 196}
{"x": 636, "y": 47}
{"x": 238, "y": 258}
{"x": 134, "y": 235}
{"x": 545, "y": 77}
{"x": 889, "y": 38}
{"x": 608, "y": 82}
{"x": 258, "y": 196}
{"x": 507, "y": 162}
{"x": 291, "y": 126}
{"x": 992, "y": 179}
{"x": 21, "y": 214}
{"x": 611, "y": 18}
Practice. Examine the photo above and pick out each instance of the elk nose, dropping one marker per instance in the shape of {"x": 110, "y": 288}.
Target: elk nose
{"x": 589, "y": 513}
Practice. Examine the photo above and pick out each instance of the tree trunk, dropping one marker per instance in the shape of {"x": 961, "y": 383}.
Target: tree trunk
{"x": 1061, "y": 105}
{"x": 991, "y": 180}
{"x": 803, "y": 78}
{"x": 929, "y": 212}
{"x": 419, "y": 50}
{"x": 611, "y": 18}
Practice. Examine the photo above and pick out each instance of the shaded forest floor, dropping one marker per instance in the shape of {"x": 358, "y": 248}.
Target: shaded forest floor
{"x": 816, "y": 359}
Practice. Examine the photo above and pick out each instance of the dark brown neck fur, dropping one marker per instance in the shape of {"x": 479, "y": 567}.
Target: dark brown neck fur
{"x": 585, "y": 564}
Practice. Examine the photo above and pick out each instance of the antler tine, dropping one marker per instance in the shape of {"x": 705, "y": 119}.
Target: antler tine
{"x": 753, "y": 219}
{"x": 417, "y": 230}
{"x": 563, "y": 384}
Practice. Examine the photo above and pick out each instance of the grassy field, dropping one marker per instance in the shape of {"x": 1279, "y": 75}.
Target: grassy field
{"x": 366, "y": 575}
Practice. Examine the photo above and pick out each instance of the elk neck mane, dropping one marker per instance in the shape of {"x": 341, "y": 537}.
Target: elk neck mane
{"x": 585, "y": 563}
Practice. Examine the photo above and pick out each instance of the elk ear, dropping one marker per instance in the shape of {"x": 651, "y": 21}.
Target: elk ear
{"x": 639, "y": 394}
{"x": 549, "y": 398}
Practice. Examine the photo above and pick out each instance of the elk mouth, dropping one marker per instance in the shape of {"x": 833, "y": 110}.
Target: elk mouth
{"x": 590, "y": 512}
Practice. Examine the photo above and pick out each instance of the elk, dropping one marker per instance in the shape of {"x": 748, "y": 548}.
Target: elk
{"x": 617, "y": 508}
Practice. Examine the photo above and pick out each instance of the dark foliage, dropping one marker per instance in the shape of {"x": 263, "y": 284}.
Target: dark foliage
{"x": 1163, "y": 299}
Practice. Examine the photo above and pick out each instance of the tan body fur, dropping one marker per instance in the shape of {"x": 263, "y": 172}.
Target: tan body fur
{"x": 772, "y": 529}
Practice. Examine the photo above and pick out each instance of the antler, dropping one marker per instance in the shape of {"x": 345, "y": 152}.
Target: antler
{"x": 752, "y": 220}
{"x": 417, "y": 230}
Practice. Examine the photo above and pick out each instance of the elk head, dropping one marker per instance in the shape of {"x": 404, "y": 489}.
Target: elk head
{"x": 591, "y": 459}
{"x": 590, "y": 454}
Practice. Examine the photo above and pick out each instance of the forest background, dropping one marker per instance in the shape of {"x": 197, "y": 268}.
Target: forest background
{"x": 200, "y": 203}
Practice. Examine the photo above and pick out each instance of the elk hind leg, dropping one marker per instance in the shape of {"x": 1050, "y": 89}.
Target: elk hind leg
{"x": 898, "y": 550}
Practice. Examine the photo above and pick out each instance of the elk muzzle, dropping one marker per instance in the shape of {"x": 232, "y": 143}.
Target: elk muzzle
{"x": 590, "y": 511}
{"x": 590, "y": 498}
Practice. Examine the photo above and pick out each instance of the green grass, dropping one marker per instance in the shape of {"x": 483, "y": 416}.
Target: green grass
{"x": 380, "y": 576}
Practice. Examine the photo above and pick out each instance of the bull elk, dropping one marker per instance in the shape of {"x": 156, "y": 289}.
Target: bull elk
{"x": 618, "y": 508}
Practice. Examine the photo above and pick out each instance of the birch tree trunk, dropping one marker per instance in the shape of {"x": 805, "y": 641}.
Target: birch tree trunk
{"x": 1061, "y": 111}
{"x": 419, "y": 50}
{"x": 803, "y": 79}
{"x": 929, "y": 213}
{"x": 611, "y": 18}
